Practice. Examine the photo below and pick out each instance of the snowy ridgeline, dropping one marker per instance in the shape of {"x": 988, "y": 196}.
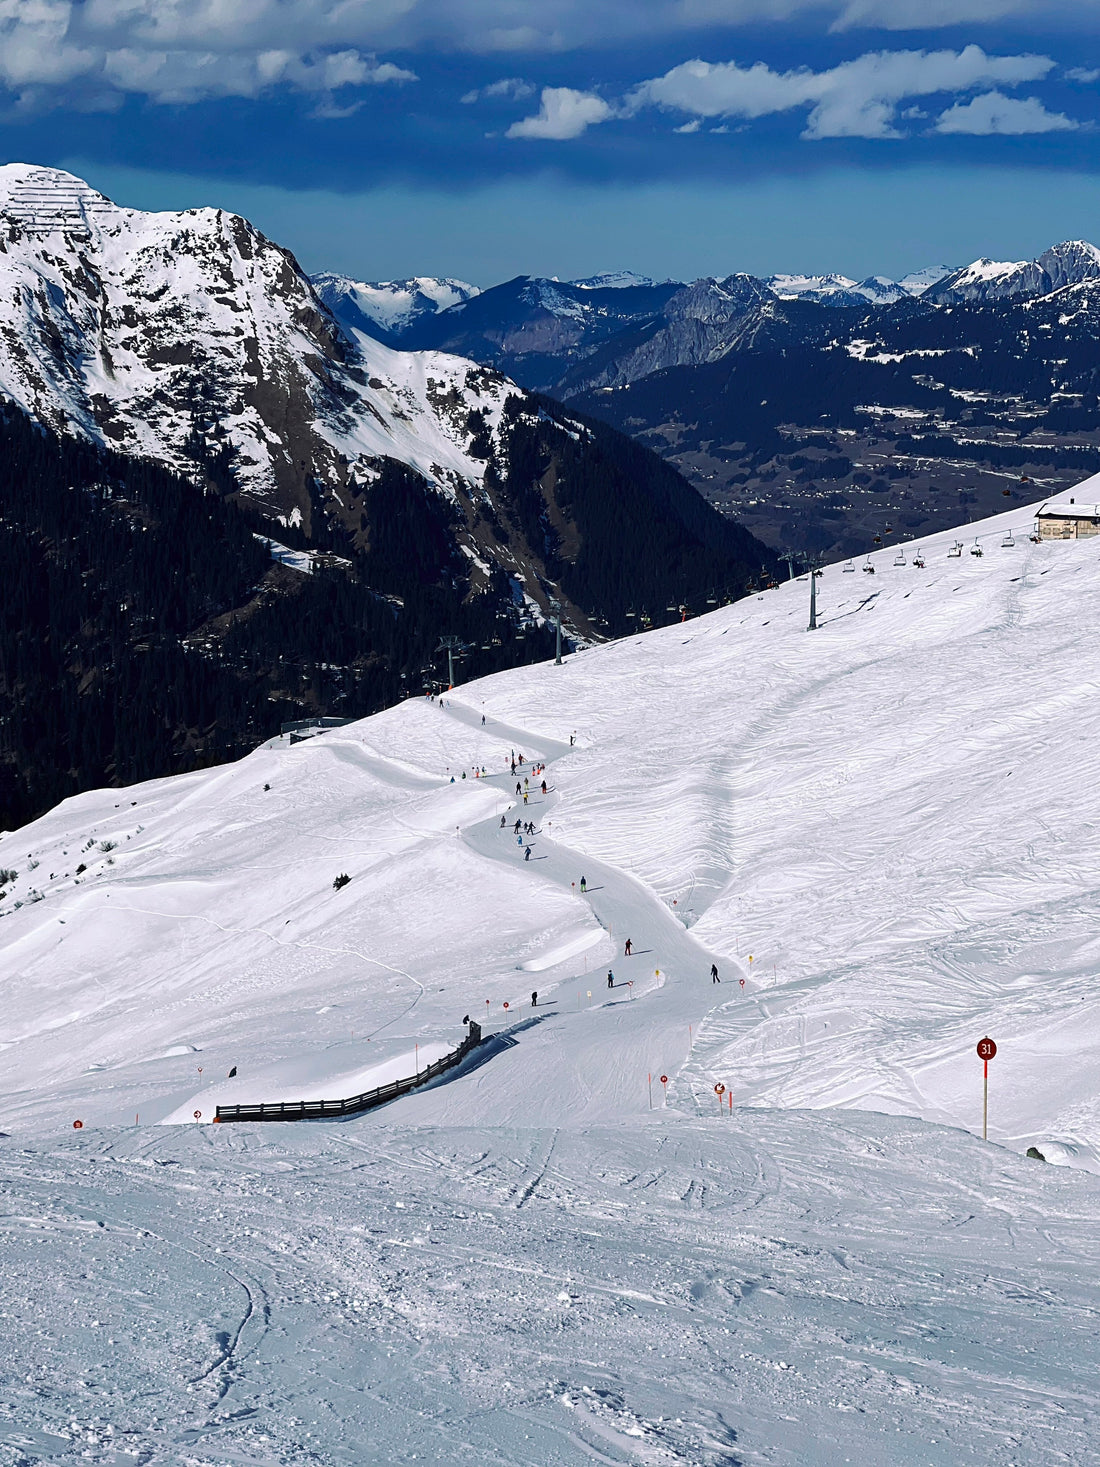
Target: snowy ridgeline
{"x": 884, "y": 835}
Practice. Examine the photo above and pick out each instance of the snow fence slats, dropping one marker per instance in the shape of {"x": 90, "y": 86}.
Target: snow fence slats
{"x": 300, "y": 1110}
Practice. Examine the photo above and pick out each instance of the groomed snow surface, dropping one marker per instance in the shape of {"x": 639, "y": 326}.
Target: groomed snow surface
{"x": 895, "y": 817}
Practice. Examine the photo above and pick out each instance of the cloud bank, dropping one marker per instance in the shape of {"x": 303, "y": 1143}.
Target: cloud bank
{"x": 857, "y": 99}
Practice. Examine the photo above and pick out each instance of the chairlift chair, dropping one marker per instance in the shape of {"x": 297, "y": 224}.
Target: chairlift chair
{"x": 868, "y": 567}
{"x": 849, "y": 567}
{"x": 976, "y": 549}
{"x": 918, "y": 560}
{"x": 900, "y": 559}
{"x": 956, "y": 550}
{"x": 1008, "y": 542}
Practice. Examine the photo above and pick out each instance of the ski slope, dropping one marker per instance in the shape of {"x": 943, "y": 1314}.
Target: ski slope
{"x": 884, "y": 834}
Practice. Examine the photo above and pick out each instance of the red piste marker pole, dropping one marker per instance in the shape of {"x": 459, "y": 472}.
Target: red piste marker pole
{"x": 986, "y": 1051}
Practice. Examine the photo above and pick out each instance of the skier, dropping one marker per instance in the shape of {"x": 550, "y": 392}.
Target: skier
{"x": 525, "y": 797}
{"x": 544, "y": 786}
{"x": 714, "y": 978}
{"x": 513, "y": 766}
{"x": 483, "y": 718}
{"x": 526, "y": 782}
{"x": 584, "y": 885}
{"x": 626, "y": 949}
{"x": 534, "y": 998}
{"x": 572, "y": 738}
{"x": 518, "y": 789}
{"x": 527, "y": 854}
{"x": 519, "y": 840}
{"x": 610, "y": 979}
{"x": 516, "y": 831}
{"x": 503, "y": 821}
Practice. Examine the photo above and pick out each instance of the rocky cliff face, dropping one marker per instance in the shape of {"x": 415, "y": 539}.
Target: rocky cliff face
{"x": 193, "y": 339}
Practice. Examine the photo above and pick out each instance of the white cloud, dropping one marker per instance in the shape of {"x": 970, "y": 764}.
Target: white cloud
{"x": 1083, "y": 73}
{"x": 693, "y": 126}
{"x": 905, "y": 15}
{"x": 858, "y": 98}
{"x": 513, "y": 87}
{"x": 993, "y": 112}
{"x": 564, "y": 113}
{"x": 181, "y": 50}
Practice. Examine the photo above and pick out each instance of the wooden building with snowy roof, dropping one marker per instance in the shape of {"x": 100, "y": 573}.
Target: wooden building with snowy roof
{"x": 1068, "y": 520}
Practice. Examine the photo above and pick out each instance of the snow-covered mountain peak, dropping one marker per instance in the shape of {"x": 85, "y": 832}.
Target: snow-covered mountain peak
{"x": 393, "y": 306}
{"x": 613, "y": 280}
{"x": 191, "y": 338}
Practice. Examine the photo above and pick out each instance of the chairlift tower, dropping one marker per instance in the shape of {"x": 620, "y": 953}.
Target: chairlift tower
{"x": 450, "y": 645}
{"x": 790, "y": 557}
{"x": 555, "y": 611}
{"x": 815, "y": 571}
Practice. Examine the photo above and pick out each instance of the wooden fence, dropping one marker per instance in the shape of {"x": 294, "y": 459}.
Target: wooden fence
{"x": 303, "y": 1110}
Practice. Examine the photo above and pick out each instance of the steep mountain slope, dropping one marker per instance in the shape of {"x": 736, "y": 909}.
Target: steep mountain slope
{"x": 867, "y": 810}
{"x": 871, "y": 824}
{"x": 192, "y": 339}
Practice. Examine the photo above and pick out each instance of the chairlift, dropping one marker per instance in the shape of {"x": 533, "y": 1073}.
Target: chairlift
{"x": 1008, "y": 542}
{"x": 645, "y": 619}
{"x": 1007, "y": 493}
{"x": 878, "y": 539}
{"x": 849, "y": 567}
{"x": 712, "y": 599}
{"x": 956, "y": 550}
{"x": 631, "y": 614}
{"x": 976, "y": 549}
{"x": 868, "y": 567}
{"x": 900, "y": 559}
{"x": 671, "y": 607}
{"x": 918, "y": 560}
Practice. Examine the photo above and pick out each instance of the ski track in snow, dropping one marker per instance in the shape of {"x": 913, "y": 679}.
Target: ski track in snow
{"x": 523, "y": 1263}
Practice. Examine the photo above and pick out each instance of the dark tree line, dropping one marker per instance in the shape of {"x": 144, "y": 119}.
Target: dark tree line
{"x": 145, "y": 631}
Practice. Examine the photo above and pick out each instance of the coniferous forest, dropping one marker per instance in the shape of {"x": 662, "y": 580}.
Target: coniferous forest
{"x": 145, "y": 629}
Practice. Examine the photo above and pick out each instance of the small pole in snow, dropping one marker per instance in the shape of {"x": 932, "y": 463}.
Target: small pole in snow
{"x": 418, "y": 1059}
{"x": 649, "y": 1078}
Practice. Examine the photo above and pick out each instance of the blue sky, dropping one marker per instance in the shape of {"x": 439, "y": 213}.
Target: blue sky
{"x": 489, "y": 138}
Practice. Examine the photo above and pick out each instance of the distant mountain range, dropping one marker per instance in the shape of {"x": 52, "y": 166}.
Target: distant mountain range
{"x": 822, "y": 412}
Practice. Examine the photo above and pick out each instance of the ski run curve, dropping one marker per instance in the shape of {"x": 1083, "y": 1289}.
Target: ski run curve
{"x": 886, "y": 836}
